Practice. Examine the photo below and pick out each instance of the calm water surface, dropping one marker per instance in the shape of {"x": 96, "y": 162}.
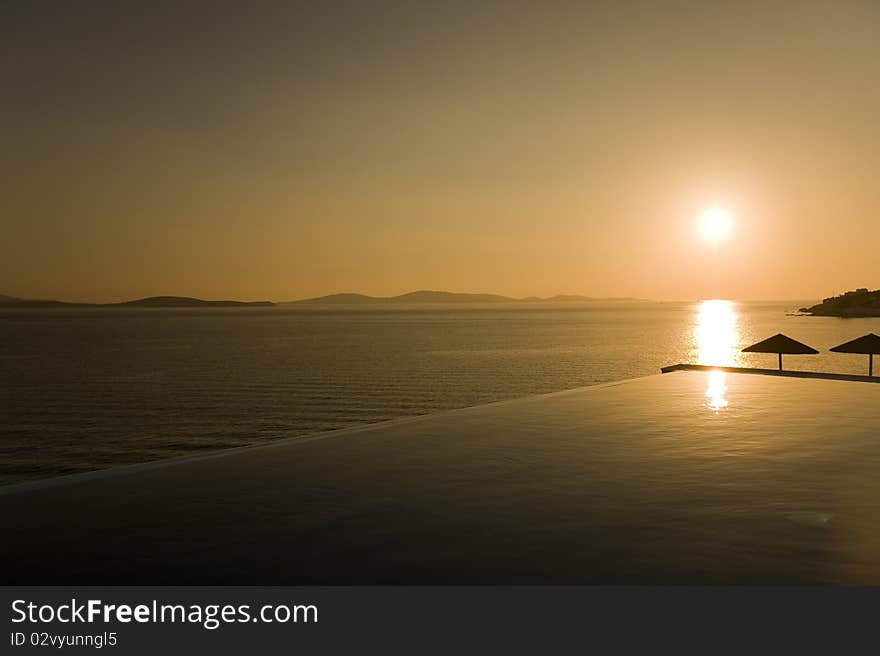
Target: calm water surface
{"x": 86, "y": 389}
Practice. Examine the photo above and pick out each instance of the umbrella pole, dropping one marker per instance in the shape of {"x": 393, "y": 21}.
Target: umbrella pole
{"x": 870, "y": 364}
{"x": 780, "y": 362}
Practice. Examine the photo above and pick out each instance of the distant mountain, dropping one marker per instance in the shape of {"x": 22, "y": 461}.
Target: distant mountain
{"x": 152, "y": 301}
{"x": 857, "y": 303}
{"x": 12, "y": 301}
{"x": 421, "y": 296}
{"x": 186, "y": 301}
{"x": 339, "y": 299}
{"x": 412, "y": 297}
{"x": 427, "y": 296}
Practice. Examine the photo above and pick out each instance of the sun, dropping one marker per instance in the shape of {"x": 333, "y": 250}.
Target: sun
{"x": 715, "y": 223}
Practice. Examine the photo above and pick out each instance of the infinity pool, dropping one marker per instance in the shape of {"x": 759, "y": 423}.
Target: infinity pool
{"x": 689, "y": 477}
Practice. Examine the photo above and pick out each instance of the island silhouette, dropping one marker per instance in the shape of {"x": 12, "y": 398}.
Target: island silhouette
{"x": 150, "y": 301}
{"x": 430, "y": 296}
{"x": 421, "y": 296}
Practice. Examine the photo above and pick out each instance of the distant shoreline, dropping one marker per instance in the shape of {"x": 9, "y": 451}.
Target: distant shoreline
{"x": 428, "y": 296}
{"x": 418, "y": 299}
{"x": 411, "y": 298}
{"x": 8, "y": 302}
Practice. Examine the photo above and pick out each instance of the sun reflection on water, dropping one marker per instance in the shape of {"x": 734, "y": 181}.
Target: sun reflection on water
{"x": 717, "y": 390}
{"x": 716, "y": 340}
{"x": 716, "y": 335}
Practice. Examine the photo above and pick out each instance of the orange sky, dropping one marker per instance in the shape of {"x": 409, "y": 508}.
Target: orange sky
{"x": 520, "y": 148}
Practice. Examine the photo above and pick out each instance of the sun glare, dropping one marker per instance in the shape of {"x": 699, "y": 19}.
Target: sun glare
{"x": 715, "y": 223}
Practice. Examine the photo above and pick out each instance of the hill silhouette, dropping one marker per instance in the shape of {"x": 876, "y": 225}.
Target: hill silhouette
{"x": 422, "y": 296}
{"x": 151, "y": 301}
{"x": 857, "y": 303}
{"x": 186, "y": 301}
{"x": 430, "y": 296}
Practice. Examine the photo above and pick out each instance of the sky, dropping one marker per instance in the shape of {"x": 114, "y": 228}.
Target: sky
{"x": 275, "y": 150}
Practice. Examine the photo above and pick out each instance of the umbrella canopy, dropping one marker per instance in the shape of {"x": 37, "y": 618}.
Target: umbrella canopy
{"x": 866, "y": 345}
{"x": 780, "y": 344}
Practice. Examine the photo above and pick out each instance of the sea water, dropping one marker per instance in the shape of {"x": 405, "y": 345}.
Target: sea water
{"x": 83, "y": 389}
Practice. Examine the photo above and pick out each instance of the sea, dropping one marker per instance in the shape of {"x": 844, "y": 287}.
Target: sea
{"x": 86, "y": 389}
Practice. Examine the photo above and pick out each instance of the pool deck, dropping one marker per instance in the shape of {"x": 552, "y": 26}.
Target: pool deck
{"x": 677, "y": 478}
{"x": 772, "y": 372}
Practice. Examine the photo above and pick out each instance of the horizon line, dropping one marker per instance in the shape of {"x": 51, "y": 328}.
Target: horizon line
{"x": 501, "y": 297}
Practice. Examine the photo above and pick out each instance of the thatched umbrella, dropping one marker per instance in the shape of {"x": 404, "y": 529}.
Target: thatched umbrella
{"x": 866, "y": 345}
{"x": 780, "y": 344}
